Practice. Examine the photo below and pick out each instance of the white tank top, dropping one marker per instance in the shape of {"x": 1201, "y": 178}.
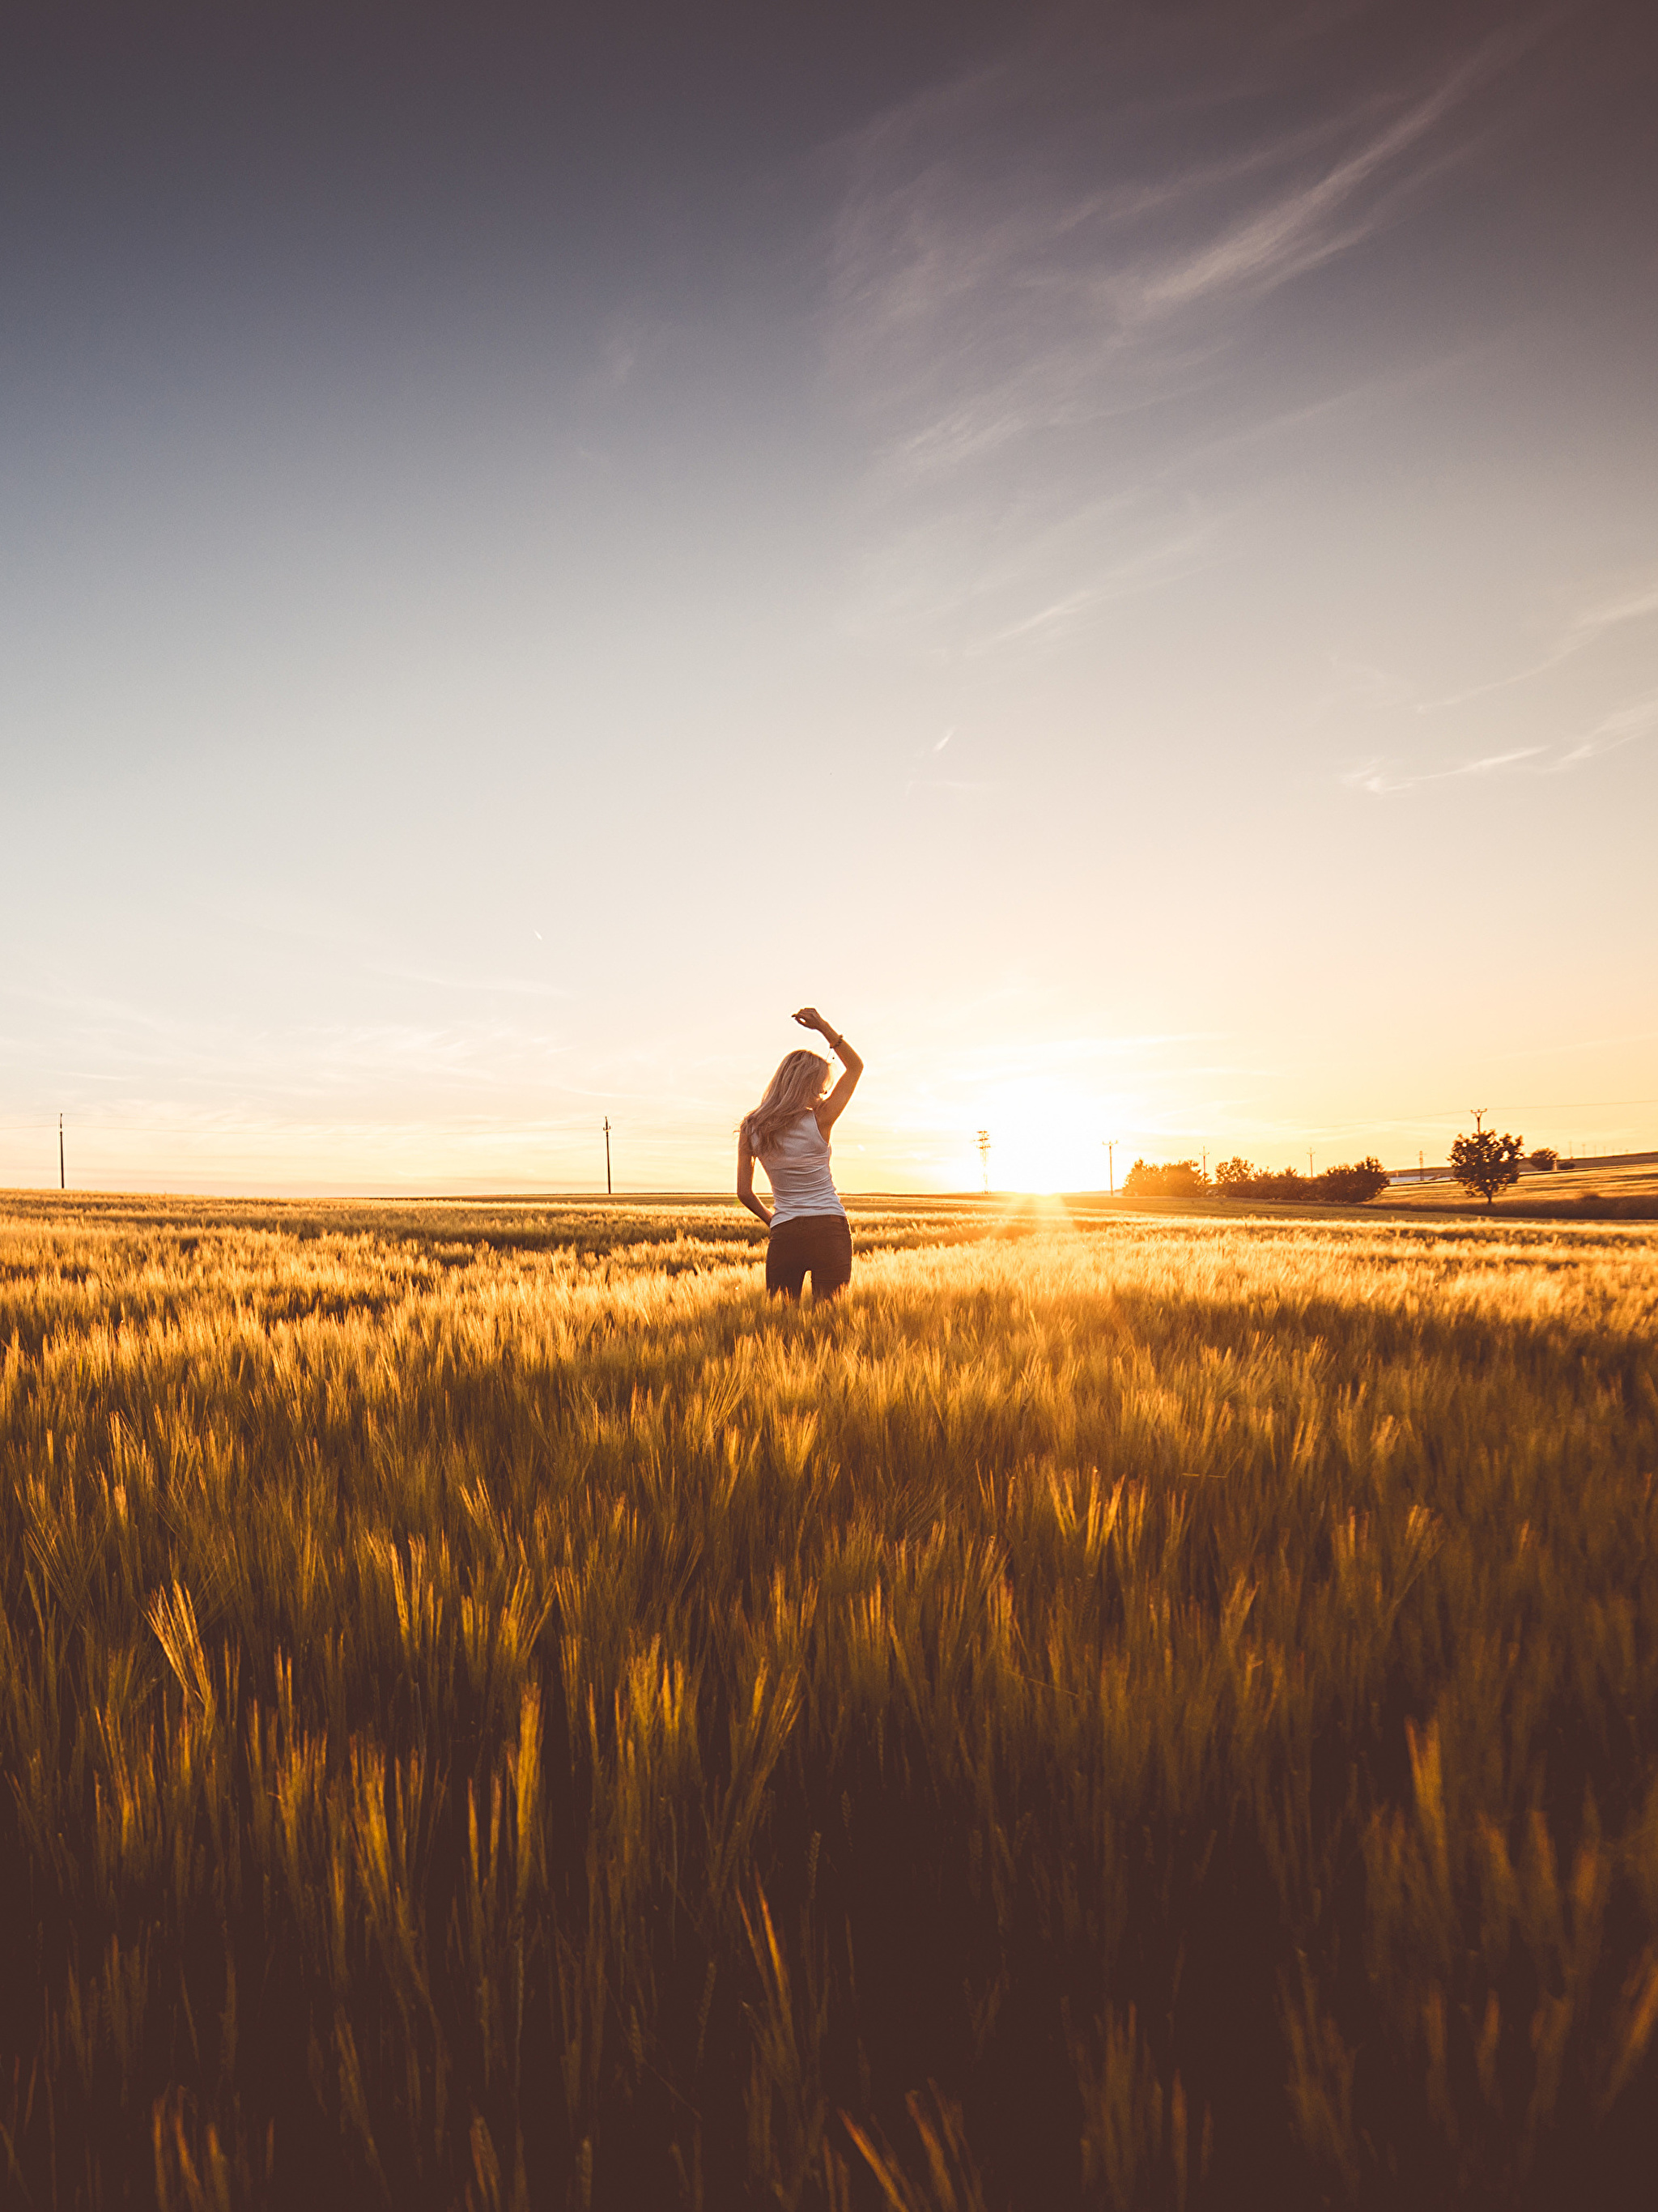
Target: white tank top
{"x": 797, "y": 1165}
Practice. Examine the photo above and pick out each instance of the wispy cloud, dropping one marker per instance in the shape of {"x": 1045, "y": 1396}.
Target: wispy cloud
{"x": 1587, "y": 628}
{"x": 1622, "y": 726}
{"x": 1313, "y": 219}
{"x": 1617, "y": 728}
{"x": 1383, "y": 775}
{"x": 127, "y": 1041}
{"x": 1598, "y": 619}
{"x": 1146, "y": 567}
{"x": 987, "y": 292}
{"x": 1033, "y": 253}
{"x": 485, "y": 987}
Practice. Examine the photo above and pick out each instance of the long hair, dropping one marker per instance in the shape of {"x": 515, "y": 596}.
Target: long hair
{"x": 793, "y": 1091}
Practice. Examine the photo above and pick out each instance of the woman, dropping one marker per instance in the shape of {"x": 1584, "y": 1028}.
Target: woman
{"x": 789, "y": 1133}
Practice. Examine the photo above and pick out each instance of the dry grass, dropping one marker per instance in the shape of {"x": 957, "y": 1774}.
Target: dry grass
{"x": 1156, "y": 1713}
{"x": 1607, "y": 1193}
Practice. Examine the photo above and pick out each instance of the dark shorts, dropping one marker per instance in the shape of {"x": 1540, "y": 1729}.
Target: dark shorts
{"x": 819, "y": 1243}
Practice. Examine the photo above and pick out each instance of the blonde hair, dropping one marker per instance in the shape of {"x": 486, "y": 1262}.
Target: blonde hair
{"x": 793, "y": 1091}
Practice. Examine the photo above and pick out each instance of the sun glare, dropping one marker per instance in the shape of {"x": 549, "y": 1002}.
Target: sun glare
{"x": 1043, "y": 1140}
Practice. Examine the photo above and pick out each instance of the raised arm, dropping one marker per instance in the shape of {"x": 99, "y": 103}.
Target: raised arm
{"x": 831, "y": 1109}
{"x": 745, "y": 1182}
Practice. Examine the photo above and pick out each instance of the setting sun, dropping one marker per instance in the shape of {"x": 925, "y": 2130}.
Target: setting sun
{"x": 1045, "y": 1139}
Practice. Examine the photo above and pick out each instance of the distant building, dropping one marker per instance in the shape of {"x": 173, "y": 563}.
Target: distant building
{"x": 1442, "y": 1174}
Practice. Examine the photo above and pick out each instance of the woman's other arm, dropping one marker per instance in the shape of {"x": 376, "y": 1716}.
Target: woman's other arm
{"x": 831, "y": 1109}
{"x": 745, "y": 1182}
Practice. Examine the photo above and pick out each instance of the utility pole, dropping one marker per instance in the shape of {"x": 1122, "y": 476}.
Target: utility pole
{"x": 63, "y": 1173}
{"x": 984, "y": 1157}
{"x": 607, "y": 1156}
{"x": 1205, "y": 1149}
{"x": 1310, "y": 1160}
{"x": 1479, "y": 1114}
{"x": 1110, "y": 1144}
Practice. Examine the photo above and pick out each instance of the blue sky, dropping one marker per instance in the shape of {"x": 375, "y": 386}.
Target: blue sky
{"x": 1114, "y": 552}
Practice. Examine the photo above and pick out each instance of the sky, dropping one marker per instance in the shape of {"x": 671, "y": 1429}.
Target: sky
{"x": 1113, "y": 550}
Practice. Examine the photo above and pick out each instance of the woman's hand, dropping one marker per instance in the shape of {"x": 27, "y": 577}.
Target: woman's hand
{"x": 810, "y": 1019}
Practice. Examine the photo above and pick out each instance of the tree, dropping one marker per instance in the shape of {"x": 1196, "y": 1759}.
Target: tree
{"x": 1179, "y": 1179}
{"x": 1544, "y": 1159}
{"x": 1484, "y": 1163}
{"x": 1353, "y": 1185}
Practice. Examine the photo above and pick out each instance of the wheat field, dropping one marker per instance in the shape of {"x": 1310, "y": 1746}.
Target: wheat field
{"x": 1118, "y": 1711}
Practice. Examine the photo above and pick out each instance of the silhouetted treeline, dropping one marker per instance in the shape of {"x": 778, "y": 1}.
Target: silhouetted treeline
{"x": 1349, "y": 1185}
